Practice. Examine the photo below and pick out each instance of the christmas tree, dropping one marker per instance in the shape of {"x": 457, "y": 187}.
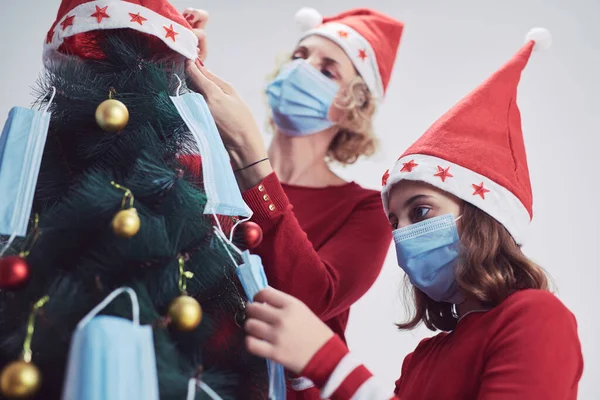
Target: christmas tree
{"x": 115, "y": 206}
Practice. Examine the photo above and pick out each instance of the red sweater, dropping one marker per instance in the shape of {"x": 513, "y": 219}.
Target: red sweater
{"x": 526, "y": 348}
{"x": 326, "y": 250}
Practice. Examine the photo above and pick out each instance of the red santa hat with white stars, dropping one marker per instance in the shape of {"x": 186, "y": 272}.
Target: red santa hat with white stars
{"x": 476, "y": 150}
{"x": 369, "y": 38}
{"x": 157, "y": 18}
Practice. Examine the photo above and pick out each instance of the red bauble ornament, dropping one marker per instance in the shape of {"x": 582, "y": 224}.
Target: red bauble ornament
{"x": 249, "y": 234}
{"x": 14, "y": 272}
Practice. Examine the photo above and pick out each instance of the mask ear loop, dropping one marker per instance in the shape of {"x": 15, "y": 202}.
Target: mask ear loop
{"x": 180, "y": 84}
{"x": 226, "y": 242}
{"x": 241, "y": 221}
{"x": 194, "y": 383}
{"x": 51, "y": 99}
{"x": 8, "y": 244}
{"x": 134, "y": 304}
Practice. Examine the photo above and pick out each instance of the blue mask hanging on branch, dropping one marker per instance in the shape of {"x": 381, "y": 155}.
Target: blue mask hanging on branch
{"x": 251, "y": 274}
{"x": 222, "y": 191}
{"x": 111, "y": 358}
{"x": 300, "y": 97}
{"x": 21, "y": 147}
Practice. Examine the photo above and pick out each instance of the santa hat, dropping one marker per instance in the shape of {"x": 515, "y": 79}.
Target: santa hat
{"x": 476, "y": 150}
{"x": 157, "y": 18}
{"x": 369, "y": 38}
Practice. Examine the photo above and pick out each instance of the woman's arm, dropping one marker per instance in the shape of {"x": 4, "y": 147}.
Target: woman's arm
{"x": 333, "y": 278}
{"x": 344, "y": 268}
{"x": 282, "y": 328}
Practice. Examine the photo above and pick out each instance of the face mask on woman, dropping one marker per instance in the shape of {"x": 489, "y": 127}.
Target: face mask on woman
{"x": 300, "y": 97}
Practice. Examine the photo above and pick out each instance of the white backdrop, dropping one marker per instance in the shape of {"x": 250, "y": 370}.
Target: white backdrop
{"x": 447, "y": 49}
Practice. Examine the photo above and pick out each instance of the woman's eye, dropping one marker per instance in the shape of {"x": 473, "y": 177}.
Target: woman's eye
{"x": 327, "y": 73}
{"x": 298, "y": 55}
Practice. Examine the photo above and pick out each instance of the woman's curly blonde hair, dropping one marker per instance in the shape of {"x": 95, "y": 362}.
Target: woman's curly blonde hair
{"x": 355, "y": 136}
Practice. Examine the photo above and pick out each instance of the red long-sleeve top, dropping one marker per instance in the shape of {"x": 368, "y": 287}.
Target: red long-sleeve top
{"x": 526, "y": 348}
{"x": 327, "y": 249}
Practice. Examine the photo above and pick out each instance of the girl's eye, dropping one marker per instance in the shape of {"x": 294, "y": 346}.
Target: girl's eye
{"x": 420, "y": 213}
{"x": 298, "y": 54}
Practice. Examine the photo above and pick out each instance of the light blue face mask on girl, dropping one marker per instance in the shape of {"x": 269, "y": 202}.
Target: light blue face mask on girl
{"x": 21, "y": 147}
{"x": 428, "y": 252}
{"x": 300, "y": 97}
{"x": 111, "y": 357}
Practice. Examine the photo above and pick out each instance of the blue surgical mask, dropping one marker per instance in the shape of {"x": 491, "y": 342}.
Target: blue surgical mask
{"x": 428, "y": 252}
{"x": 300, "y": 98}
{"x": 253, "y": 279}
{"x": 222, "y": 191}
{"x": 111, "y": 357}
{"x": 21, "y": 148}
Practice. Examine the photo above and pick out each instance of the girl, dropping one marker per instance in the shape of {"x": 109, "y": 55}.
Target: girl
{"x": 322, "y": 104}
{"x": 459, "y": 201}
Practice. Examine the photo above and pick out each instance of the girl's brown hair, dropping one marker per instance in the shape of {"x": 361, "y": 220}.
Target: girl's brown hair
{"x": 491, "y": 266}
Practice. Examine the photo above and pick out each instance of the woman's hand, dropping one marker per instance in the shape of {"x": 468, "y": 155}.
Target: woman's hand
{"x": 283, "y": 329}
{"x": 198, "y": 19}
{"x": 237, "y": 126}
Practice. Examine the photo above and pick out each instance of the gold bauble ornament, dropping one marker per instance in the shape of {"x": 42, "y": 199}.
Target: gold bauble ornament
{"x": 112, "y": 116}
{"x": 185, "y": 313}
{"x": 20, "y": 380}
{"x": 126, "y": 223}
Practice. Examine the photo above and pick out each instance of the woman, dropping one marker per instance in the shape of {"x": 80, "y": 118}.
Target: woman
{"x": 459, "y": 201}
{"x": 322, "y": 104}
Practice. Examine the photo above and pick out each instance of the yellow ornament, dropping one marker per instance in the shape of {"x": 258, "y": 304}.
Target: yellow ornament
{"x": 126, "y": 223}
{"x": 20, "y": 380}
{"x": 185, "y": 313}
{"x": 112, "y": 116}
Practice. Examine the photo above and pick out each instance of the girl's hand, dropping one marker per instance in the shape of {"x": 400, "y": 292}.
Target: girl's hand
{"x": 283, "y": 329}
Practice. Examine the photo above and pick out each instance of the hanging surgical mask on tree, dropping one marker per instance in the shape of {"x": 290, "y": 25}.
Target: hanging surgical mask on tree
{"x": 300, "y": 97}
{"x": 428, "y": 252}
{"x": 111, "y": 358}
{"x": 222, "y": 191}
{"x": 21, "y": 147}
{"x": 251, "y": 274}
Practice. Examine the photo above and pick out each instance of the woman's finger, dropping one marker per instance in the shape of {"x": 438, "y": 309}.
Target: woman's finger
{"x": 202, "y": 46}
{"x": 274, "y": 297}
{"x": 263, "y": 312}
{"x": 260, "y": 330}
{"x": 196, "y": 18}
{"x": 200, "y": 82}
{"x": 259, "y": 347}
{"x": 224, "y": 85}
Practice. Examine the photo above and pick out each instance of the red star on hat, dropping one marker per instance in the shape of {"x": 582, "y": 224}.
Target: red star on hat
{"x": 385, "y": 177}
{"x": 49, "y": 36}
{"x": 170, "y": 32}
{"x": 362, "y": 54}
{"x": 408, "y": 166}
{"x": 137, "y": 18}
{"x": 342, "y": 34}
{"x": 443, "y": 173}
{"x": 67, "y": 22}
{"x": 480, "y": 190}
{"x": 100, "y": 13}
